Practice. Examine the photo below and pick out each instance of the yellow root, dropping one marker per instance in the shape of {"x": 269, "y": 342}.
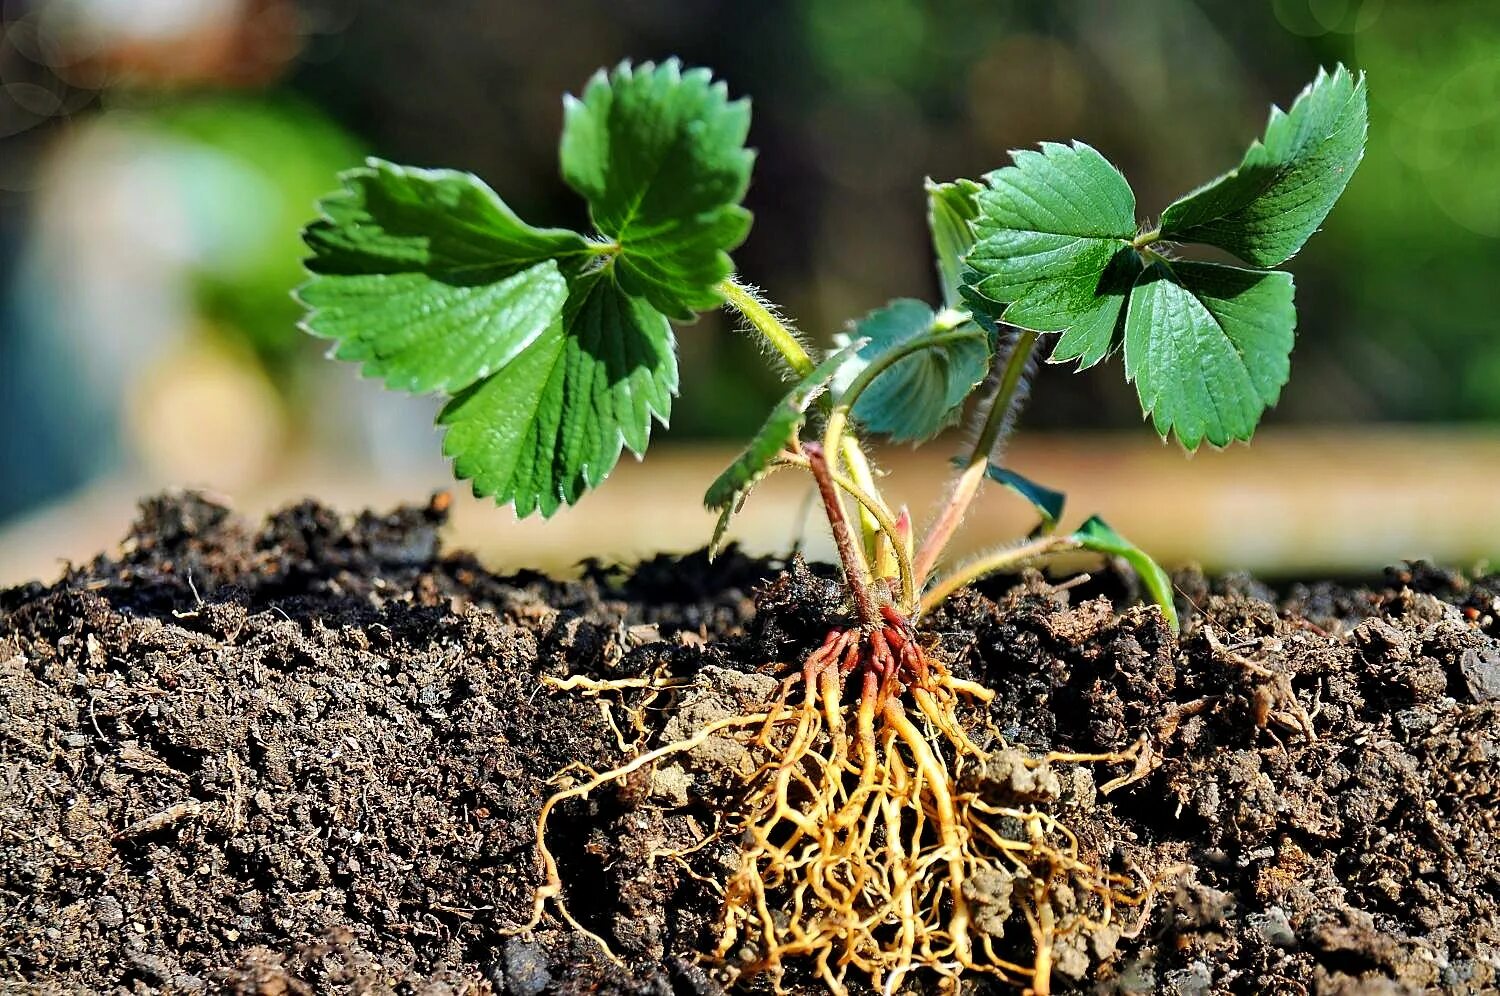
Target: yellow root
{"x": 867, "y": 867}
{"x": 865, "y": 852}
{"x": 552, "y": 888}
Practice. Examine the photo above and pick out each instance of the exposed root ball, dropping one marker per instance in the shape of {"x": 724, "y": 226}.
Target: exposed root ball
{"x": 881, "y": 840}
{"x": 900, "y": 844}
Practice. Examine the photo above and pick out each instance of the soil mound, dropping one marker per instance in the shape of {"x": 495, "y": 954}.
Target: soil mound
{"x": 308, "y": 756}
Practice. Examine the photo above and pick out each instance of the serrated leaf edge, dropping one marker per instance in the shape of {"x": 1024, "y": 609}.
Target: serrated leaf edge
{"x": 618, "y": 445}
{"x": 969, "y": 273}
{"x": 374, "y": 166}
{"x": 1148, "y": 413}
{"x": 1357, "y": 89}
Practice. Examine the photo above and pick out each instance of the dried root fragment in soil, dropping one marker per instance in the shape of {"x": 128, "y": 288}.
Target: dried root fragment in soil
{"x": 878, "y": 839}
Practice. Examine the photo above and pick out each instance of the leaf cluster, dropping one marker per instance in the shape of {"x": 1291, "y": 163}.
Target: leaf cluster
{"x": 554, "y": 348}
{"x": 1207, "y": 345}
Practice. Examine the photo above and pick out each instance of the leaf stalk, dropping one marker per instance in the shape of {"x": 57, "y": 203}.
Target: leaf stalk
{"x": 966, "y": 485}
{"x": 885, "y": 522}
{"x": 838, "y": 415}
{"x": 999, "y": 560}
{"x": 763, "y": 319}
{"x": 843, "y": 538}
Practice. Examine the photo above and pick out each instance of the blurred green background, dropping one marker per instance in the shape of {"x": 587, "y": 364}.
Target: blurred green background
{"x": 157, "y": 159}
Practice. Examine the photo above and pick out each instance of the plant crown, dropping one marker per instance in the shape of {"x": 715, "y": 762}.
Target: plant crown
{"x": 556, "y": 349}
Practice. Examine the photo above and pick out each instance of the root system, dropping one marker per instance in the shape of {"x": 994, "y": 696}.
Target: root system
{"x": 880, "y": 839}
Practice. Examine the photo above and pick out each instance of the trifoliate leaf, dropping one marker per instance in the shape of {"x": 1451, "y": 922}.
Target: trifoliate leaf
{"x": 427, "y": 279}
{"x": 660, "y": 156}
{"x": 550, "y": 424}
{"x": 1209, "y": 348}
{"x": 1096, "y": 535}
{"x": 777, "y": 432}
{"x": 1048, "y": 503}
{"x": 918, "y": 395}
{"x": 1264, "y": 210}
{"x": 1090, "y": 341}
{"x": 951, "y": 210}
{"x": 1053, "y": 246}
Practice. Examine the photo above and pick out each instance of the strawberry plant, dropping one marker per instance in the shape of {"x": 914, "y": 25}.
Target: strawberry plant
{"x": 556, "y": 350}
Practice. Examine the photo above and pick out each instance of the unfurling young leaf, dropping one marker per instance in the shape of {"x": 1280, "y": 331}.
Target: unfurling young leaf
{"x": 1048, "y": 503}
{"x": 555, "y": 349}
{"x": 1053, "y": 246}
{"x": 919, "y": 394}
{"x": 1265, "y": 209}
{"x": 1096, "y": 535}
{"x": 659, "y": 154}
{"x": 951, "y": 211}
{"x": 730, "y": 488}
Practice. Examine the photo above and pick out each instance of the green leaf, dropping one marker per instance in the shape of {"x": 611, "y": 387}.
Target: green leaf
{"x": 778, "y": 431}
{"x": 1265, "y": 209}
{"x": 427, "y": 279}
{"x": 1048, "y": 503}
{"x": 1096, "y": 535}
{"x": 1053, "y": 246}
{"x": 550, "y": 424}
{"x": 951, "y": 211}
{"x": 659, "y": 154}
{"x": 1209, "y": 348}
{"x": 922, "y": 393}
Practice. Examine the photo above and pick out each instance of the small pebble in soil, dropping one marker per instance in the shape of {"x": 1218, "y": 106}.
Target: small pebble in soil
{"x": 525, "y": 969}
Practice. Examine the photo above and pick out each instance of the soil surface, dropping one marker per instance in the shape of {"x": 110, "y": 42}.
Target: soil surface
{"x": 308, "y": 756}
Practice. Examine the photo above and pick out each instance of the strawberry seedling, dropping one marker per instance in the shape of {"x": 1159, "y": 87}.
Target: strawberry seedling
{"x": 555, "y": 350}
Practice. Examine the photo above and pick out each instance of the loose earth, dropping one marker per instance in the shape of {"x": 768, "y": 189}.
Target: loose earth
{"x": 308, "y": 756}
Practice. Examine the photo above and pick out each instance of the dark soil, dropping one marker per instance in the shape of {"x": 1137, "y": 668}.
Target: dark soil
{"x": 308, "y": 757}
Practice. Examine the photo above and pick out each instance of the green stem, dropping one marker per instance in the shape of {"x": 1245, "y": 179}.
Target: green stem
{"x": 859, "y": 469}
{"x": 1015, "y": 368}
{"x": 781, "y": 338}
{"x": 838, "y": 417}
{"x": 1145, "y": 239}
{"x": 785, "y": 342}
{"x": 891, "y": 357}
{"x": 989, "y": 563}
{"x": 966, "y": 484}
{"x": 834, "y": 439}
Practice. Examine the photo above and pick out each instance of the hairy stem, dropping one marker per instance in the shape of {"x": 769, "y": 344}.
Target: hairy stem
{"x": 966, "y": 485}
{"x": 999, "y": 560}
{"x": 1146, "y": 238}
{"x": 782, "y": 339}
{"x": 864, "y": 602}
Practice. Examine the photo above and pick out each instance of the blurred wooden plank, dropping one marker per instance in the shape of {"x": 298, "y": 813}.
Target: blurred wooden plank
{"x": 1298, "y": 502}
